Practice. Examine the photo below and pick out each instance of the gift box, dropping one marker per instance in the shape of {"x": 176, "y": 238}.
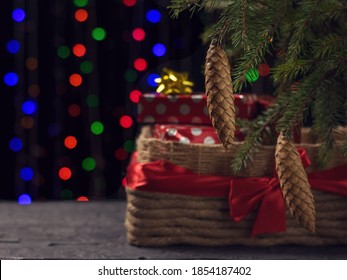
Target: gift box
{"x": 187, "y": 109}
{"x": 190, "y": 134}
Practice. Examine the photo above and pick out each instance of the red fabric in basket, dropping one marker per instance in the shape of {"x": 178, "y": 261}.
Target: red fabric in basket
{"x": 244, "y": 194}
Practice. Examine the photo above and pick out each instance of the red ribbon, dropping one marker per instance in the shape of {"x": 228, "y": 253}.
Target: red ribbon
{"x": 245, "y": 194}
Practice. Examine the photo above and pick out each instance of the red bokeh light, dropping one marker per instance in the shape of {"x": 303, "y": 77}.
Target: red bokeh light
{"x": 121, "y": 154}
{"x": 264, "y": 70}
{"x": 135, "y": 95}
{"x": 139, "y": 34}
{"x": 126, "y": 121}
{"x": 79, "y": 50}
{"x": 74, "y": 110}
{"x": 82, "y": 199}
{"x": 70, "y": 142}
{"x": 129, "y": 3}
{"x": 81, "y": 15}
{"x": 140, "y": 64}
{"x": 75, "y": 80}
{"x": 65, "y": 173}
{"x": 124, "y": 182}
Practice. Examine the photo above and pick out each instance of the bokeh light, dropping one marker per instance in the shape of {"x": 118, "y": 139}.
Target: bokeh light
{"x": 24, "y": 199}
{"x": 75, "y": 80}
{"x": 124, "y": 182}
{"x": 11, "y": 79}
{"x": 121, "y": 154}
{"x": 252, "y": 75}
{"x": 70, "y": 142}
{"x": 159, "y": 49}
{"x": 129, "y": 146}
{"x": 81, "y": 15}
{"x": 99, "y": 34}
{"x": 63, "y": 52}
{"x": 64, "y": 173}
{"x": 139, "y": 34}
{"x": 151, "y": 79}
{"x": 153, "y": 16}
{"x": 66, "y": 194}
{"x": 31, "y": 63}
{"x": 29, "y": 107}
{"x": 86, "y": 67}
{"x": 140, "y": 64}
{"x": 82, "y": 199}
{"x": 79, "y": 50}
{"x": 134, "y": 95}
{"x": 264, "y": 70}
{"x": 13, "y": 46}
{"x": 74, "y": 110}
{"x": 126, "y": 121}
{"x": 27, "y": 122}
{"x": 16, "y": 144}
{"x": 130, "y": 76}
{"x": 89, "y": 164}
{"x": 97, "y": 128}
{"x": 18, "y": 15}
{"x": 129, "y": 3}
{"x": 80, "y": 3}
{"x": 92, "y": 100}
{"x": 34, "y": 90}
{"x": 26, "y": 173}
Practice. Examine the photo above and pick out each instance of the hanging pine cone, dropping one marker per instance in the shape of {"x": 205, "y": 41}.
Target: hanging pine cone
{"x": 294, "y": 183}
{"x": 219, "y": 94}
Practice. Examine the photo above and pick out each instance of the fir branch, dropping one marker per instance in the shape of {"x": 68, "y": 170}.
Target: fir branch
{"x": 328, "y": 45}
{"x": 178, "y": 6}
{"x": 344, "y": 147}
{"x": 255, "y": 138}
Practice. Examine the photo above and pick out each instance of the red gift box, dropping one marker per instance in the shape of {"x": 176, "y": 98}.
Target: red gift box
{"x": 190, "y": 134}
{"x": 187, "y": 109}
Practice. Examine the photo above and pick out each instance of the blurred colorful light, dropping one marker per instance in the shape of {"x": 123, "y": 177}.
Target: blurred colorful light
{"x": 99, "y": 34}
{"x": 80, "y": 3}
{"x": 26, "y": 173}
{"x": 89, "y": 164}
{"x": 24, "y": 199}
{"x": 130, "y": 75}
{"x": 121, "y": 154}
{"x": 86, "y": 67}
{"x": 252, "y": 75}
{"x": 92, "y": 100}
{"x": 29, "y": 107}
{"x": 27, "y": 122}
{"x": 129, "y": 3}
{"x": 135, "y": 95}
{"x": 124, "y": 182}
{"x": 66, "y": 194}
{"x": 140, "y": 64}
{"x": 153, "y": 16}
{"x": 264, "y": 70}
{"x": 18, "y": 15}
{"x": 31, "y": 63}
{"x": 70, "y": 142}
{"x": 159, "y": 49}
{"x": 151, "y": 79}
{"x": 65, "y": 173}
{"x": 81, "y": 15}
{"x": 82, "y": 199}
{"x": 97, "y": 128}
{"x": 63, "y": 52}
{"x": 79, "y": 50}
{"x": 75, "y": 80}
{"x": 11, "y": 79}
{"x": 129, "y": 146}
{"x": 13, "y": 46}
{"x": 126, "y": 121}
{"x": 16, "y": 144}
{"x": 139, "y": 34}
{"x": 74, "y": 110}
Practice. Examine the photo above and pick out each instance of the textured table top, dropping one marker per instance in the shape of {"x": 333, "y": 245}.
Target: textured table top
{"x": 94, "y": 230}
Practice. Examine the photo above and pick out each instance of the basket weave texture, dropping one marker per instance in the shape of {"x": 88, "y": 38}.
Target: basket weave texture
{"x": 160, "y": 219}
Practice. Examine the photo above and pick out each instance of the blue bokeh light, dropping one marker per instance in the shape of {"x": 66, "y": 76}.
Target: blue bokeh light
{"x": 153, "y": 16}
{"x": 13, "y": 46}
{"x": 26, "y": 173}
{"x": 159, "y": 49}
{"x": 24, "y": 199}
{"x": 29, "y": 107}
{"x": 151, "y": 78}
{"x": 18, "y": 15}
{"x": 16, "y": 144}
{"x": 11, "y": 79}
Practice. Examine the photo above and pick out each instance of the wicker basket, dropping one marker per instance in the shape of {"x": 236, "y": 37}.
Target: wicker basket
{"x": 160, "y": 219}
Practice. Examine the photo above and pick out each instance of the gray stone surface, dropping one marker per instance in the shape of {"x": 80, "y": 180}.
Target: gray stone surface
{"x": 94, "y": 230}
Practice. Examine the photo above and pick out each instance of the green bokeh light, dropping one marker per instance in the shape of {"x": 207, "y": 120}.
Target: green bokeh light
{"x": 97, "y": 128}
{"x": 80, "y": 3}
{"x": 63, "y": 52}
{"x": 66, "y": 194}
{"x": 92, "y": 100}
{"x": 88, "y": 164}
{"x": 129, "y": 146}
{"x": 99, "y": 34}
{"x": 252, "y": 75}
{"x": 86, "y": 67}
{"x": 130, "y": 75}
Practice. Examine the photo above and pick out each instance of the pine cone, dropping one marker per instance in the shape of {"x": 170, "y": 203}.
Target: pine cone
{"x": 294, "y": 183}
{"x": 219, "y": 94}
